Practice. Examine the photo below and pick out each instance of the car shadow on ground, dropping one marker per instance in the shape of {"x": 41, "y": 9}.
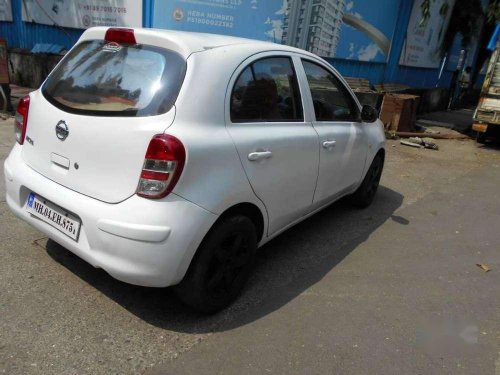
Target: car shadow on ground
{"x": 285, "y": 268}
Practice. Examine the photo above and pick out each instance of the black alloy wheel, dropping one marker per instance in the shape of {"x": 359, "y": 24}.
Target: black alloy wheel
{"x": 363, "y": 197}
{"x": 221, "y": 266}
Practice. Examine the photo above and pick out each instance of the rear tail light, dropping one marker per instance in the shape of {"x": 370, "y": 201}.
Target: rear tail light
{"x": 162, "y": 167}
{"x": 120, "y": 35}
{"x": 21, "y": 119}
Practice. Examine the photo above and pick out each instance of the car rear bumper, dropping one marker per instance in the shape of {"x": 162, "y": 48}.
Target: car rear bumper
{"x": 138, "y": 241}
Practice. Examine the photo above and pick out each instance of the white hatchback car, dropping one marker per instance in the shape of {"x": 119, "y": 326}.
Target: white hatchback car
{"x": 166, "y": 158}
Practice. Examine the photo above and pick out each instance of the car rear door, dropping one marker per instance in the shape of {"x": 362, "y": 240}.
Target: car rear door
{"x": 277, "y": 147}
{"x": 342, "y": 143}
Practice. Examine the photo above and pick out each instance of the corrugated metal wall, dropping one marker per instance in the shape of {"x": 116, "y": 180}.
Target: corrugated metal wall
{"x": 374, "y": 72}
{"x": 26, "y": 35}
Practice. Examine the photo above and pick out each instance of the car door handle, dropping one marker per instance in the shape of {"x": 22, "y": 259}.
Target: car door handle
{"x": 328, "y": 144}
{"x": 260, "y": 155}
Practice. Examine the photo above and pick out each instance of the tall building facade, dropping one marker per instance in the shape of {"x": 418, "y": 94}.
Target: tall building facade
{"x": 314, "y": 25}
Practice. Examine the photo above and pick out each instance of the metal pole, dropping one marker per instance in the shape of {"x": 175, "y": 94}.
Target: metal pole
{"x": 4, "y": 97}
{"x": 445, "y": 60}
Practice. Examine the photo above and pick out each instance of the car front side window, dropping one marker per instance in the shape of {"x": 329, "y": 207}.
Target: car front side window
{"x": 331, "y": 100}
{"x": 267, "y": 91}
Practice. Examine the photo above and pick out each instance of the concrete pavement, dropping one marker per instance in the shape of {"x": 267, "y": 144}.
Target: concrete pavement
{"x": 409, "y": 299}
{"x": 347, "y": 291}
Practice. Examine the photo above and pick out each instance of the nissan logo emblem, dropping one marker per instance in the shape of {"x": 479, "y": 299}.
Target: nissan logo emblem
{"x": 62, "y": 130}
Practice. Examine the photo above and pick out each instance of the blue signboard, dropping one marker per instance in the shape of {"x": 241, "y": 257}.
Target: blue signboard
{"x": 368, "y": 30}
{"x": 349, "y": 29}
{"x": 253, "y": 19}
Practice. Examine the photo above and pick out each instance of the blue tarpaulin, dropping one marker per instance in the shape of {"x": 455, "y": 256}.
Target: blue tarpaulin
{"x": 492, "y": 45}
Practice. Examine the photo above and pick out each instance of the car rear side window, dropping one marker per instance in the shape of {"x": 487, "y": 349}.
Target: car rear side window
{"x": 332, "y": 101}
{"x": 109, "y": 79}
{"x": 267, "y": 91}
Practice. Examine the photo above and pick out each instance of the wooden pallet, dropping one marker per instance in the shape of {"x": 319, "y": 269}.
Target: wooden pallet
{"x": 359, "y": 84}
{"x": 391, "y": 87}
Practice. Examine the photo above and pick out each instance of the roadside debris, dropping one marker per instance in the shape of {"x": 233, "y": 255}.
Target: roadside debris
{"x": 431, "y": 131}
{"x": 418, "y": 142}
{"x": 390, "y": 135}
{"x": 411, "y": 144}
{"x": 426, "y": 142}
{"x": 419, "y": 128}
{"x": 431, "y": 135}
{"x": 484, "y": 267}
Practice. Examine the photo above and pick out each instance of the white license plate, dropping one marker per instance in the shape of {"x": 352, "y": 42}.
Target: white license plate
{"x": 54, "y": 215}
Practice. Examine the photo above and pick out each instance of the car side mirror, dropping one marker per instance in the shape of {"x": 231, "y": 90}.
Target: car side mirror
{"x": 369, "y": 114}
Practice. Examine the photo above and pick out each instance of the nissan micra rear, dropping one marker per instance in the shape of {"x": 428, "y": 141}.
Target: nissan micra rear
{"x": 167, "y": 158}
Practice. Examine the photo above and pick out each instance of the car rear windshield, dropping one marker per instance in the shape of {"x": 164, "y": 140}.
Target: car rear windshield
{"x": 109, "y": 79}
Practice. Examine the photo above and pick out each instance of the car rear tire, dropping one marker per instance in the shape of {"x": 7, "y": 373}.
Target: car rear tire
{"x": 221, "y": 266}
{"x": 363, "y": 197}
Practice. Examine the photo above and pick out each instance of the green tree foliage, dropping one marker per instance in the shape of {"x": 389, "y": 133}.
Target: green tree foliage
{"x": 494, "y": 11}
{"x": 466, "y": 19}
